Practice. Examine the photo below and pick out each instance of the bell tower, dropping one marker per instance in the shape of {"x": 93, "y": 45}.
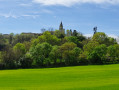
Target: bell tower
{"x": 61, "y": 29}
{"x": 61, "y": 26}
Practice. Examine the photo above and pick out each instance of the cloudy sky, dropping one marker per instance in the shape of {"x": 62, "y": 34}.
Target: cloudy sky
{"x": 31, "y": 15}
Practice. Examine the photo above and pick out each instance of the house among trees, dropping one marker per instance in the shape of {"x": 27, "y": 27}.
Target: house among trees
{"x": 5, "y": 35}
{"x": 33, "y": 34}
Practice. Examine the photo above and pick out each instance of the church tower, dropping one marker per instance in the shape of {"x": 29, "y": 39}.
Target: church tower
{"x": 61, "y": 26}
{"x": 61, "y": 29}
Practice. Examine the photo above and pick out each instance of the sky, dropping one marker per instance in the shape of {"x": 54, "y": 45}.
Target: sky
{"x": 17, "y": 16}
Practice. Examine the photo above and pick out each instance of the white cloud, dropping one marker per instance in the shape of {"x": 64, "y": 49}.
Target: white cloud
{"x": 109, "y": 35}
{"x": 46, "y": 11}
{"x": 88, "y": 35}
{"x": 26, "y": 5}
{"x": 33, "y": 16}
{"x": 72, "y": 2}
{"x": 8, "y": 15}
{"x": 113, "y": 36}
{"x": 117, "y": 39}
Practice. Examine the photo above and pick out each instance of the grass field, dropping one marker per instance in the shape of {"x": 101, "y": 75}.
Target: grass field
{"x": 102, "y": 77}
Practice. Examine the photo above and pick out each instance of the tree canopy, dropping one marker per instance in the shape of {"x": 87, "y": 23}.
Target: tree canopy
{"x": 54, "y": 49}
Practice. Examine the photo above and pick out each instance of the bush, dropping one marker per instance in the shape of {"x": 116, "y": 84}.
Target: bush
{"x": 83, "y": 60}
{"x": 2, "y": 66}
{"x": 26, "y": 61}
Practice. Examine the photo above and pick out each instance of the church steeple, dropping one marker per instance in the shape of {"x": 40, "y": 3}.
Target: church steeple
{"x": 61, "y": 26}
{"x": 61, "y": 29}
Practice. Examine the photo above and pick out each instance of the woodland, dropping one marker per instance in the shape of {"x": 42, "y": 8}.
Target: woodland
{"x": 54, "y": 49}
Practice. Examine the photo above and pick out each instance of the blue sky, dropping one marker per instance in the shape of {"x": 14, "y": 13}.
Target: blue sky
{"x": 31, "y": 15}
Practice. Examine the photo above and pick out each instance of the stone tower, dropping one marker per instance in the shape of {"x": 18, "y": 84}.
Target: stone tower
{"x": 61, "y": 29}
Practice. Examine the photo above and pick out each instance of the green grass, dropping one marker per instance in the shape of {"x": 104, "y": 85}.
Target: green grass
{"x": 102, "y": 77}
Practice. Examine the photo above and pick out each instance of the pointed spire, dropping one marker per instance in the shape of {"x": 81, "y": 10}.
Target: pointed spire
{"x": 61, "y": 29}
{"x": 61, "y": 24}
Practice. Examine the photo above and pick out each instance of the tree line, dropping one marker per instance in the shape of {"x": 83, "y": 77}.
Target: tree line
{"x": 54, "y": 49}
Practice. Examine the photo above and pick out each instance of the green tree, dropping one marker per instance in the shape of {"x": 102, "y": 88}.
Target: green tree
{"x": 21, "y": 38}
{"x": 113, "y": 53}
{"x": 71, "y": 57}
{"x": 77, "y": 51}
{"x": 26, "y": 61}
{"x": 2, "y": 42}
{"x": 80, "y": 37}
{"x": 11, "y": 38}
{"x": 57, "y": 33}
{"x": 67, "y": 52}
{"x": 54, "y": 54}
{"x": 68, "y": 46}
{"x": 73, "y": 39}
{"x": 90, "y": 46}
{"x": 83, "y": 59}
{"x": 47, "y": 37}
{"x": 102, "y": 38}
{"x": 75, "y": 33}
{"x": 117, "y": 50}
{"x": 40, "y": 52}
{"x": 98, "y": 54}
{"x": 111, "y": 41}
{"x": 27, "y": 45}
{"x": 19, "y": 52}
{"x": 8, "y": 57}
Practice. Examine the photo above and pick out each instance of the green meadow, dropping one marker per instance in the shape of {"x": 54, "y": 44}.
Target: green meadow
{"x": 95, "y": 77}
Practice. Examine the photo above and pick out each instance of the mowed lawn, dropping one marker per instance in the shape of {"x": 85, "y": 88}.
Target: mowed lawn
{"x": 100, "y": 77}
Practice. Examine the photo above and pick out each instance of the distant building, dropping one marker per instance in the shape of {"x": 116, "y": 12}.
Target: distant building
{"x": 6, "y": 35}
{"x": 69, "y": 33}
{"x": 61, "y": 29}
{"x": 33, "y": 34}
